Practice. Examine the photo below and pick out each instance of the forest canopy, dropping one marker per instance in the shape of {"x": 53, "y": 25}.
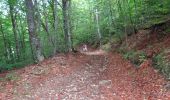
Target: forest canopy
{"x": 31, "y": 30}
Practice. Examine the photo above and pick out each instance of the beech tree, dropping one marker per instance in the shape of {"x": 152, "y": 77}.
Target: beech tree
{"x": 66, "y": 20}
{"x": 14, "y": 26}
{"x": 32, "y": 28}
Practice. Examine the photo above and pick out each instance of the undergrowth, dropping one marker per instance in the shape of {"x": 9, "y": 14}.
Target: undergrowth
{"x": 7, "y": 67}
{"x": 136, "y": 57}
{"x": 162, "y": 64}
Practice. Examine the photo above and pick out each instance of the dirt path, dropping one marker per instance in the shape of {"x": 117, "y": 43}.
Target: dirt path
{"x": 88, "y": 76}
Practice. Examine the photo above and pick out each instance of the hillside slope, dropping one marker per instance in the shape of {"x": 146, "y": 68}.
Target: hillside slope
{"x": 150, "y": 44}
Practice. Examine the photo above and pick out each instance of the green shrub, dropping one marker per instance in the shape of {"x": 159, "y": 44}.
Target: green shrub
{"x": 135, "y": 57}
{"x": 5, "y": 67}
{"x": 142, "y": 56}
{"x": 162, "y": 64}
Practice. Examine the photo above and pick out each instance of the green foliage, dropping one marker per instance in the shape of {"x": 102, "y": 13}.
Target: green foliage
{"x": 162, "y": 64}
{"x": 159, "y": 61}
{"x": 12, "y": 2}
{"x": 4, "y": 66}
{"x": 135, "y": 57}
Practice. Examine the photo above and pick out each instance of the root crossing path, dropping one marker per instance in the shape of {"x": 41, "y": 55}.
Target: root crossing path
{"x": 84, "y": 76}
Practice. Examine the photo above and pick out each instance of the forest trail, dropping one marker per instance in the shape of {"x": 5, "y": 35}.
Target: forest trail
{"x": 93, "y": 75}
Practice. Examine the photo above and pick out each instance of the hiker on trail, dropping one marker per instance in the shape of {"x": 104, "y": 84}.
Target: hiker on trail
{"x": 84, "y": 48}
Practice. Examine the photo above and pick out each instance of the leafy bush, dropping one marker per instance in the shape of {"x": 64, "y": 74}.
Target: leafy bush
{"x": 162, "y": 64}
{"x": 135, "y": 57}
{"x": 5, "y": 67}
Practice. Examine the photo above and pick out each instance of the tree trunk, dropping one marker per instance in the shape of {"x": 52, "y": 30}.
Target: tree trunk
{"x": 14, "y": 28}
{"x": 98, "y": 27}
{"x": 67, "y": 27}
{"x": 5, "y": 43}
{"x": 34, "y": 40}
{"x": 37, "y": 16}
{"x": 22, "y": 33}
{"x": 55, "y": 26}
{"x": 45, "y": 24}
{"x": 111, "y": 13}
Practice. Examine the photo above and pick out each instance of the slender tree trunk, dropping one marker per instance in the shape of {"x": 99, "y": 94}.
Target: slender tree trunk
{"x": 123, "y": 16}
{"x": 4, "y": 40}
{"x": 11, "y": 54}
{"x": 22, "y": 33}
{"x": 98, "y": 27}
{"x": 67, "y": 26}
{"x": 37, "y": 16}
{"x": 14, "y": 28}
{"x": 34, "y": 40}
{"x": 55, "y": 26}
{"x": 111, "y": 12}
{"x": 133, "y": 28}
{"x": 70, "y": 26}
{"x": 135, "y": 19}
{"x": 54, "y": 37}
{"x": 45, "y": 24}
{"x": 90, "y": 15}
{"x": 112, "y": 23}
{"x": 125, "y": 22}
{"x": 55, "y": 15}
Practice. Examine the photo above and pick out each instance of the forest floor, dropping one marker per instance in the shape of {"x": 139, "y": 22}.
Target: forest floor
{"x": 94, "y": 75}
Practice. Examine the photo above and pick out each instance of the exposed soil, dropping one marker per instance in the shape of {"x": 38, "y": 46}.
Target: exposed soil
{"x": 93, "y": 75}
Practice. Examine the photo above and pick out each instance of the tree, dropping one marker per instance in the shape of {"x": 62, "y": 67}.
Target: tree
{"x": 66, "y": 22}
{"x": 33, "y": 35}
{"x": 14, "y": 27}
{"x": 4, "y": 41}
{"x": 98, "y": 26}
{"x": 55, "y": 39}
